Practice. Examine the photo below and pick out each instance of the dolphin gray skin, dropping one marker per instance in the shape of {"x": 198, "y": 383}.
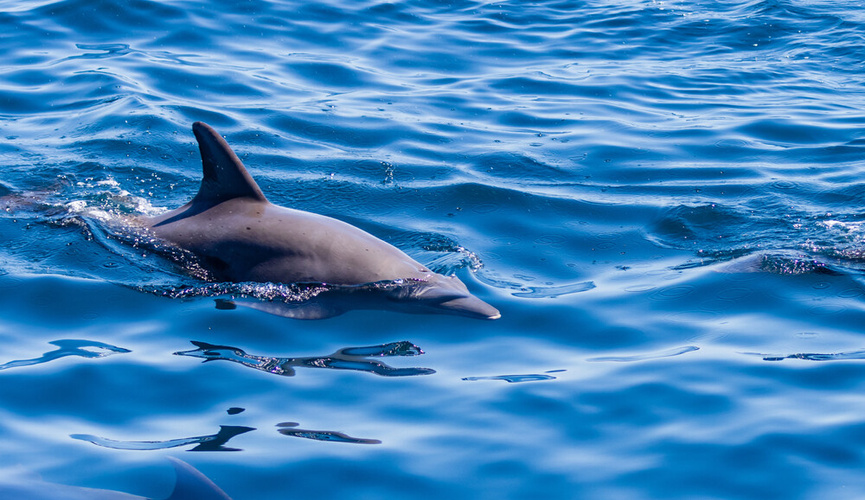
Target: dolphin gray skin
{"x": 239, "y": 236}
{"x": 190, "y": 485}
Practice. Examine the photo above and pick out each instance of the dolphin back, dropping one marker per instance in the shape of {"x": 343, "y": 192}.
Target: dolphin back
{"x": 193, "y": 485}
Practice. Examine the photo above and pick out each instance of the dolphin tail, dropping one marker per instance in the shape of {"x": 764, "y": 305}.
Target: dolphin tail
{"x": 193, "y": 485}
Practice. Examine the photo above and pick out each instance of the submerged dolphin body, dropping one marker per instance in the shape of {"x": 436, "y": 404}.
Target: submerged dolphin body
{"x": 239, "y": 236}
{"x": 190, "y": 485}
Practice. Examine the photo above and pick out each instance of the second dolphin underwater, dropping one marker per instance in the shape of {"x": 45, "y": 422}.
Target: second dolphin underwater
{"x": 239, "y": 236}
{"x": 189, "y": 485}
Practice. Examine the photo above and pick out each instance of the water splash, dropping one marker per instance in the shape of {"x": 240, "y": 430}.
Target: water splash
{"x": 279, "y": 292}
{"x": 793, "y": 265}
{"x": 349, "y": 358}
{"x": 69, "y": 347}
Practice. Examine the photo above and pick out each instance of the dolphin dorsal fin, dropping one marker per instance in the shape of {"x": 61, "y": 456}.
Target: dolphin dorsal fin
{"x": 225, "y": 177}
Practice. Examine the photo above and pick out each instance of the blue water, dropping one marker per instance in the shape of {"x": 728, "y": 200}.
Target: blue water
{"x": 663, "y": 198}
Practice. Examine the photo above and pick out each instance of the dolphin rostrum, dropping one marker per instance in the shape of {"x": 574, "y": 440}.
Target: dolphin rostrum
{"x": 238, "y": 236}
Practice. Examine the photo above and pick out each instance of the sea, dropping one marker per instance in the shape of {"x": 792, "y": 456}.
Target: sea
{"x": 664, "y": 199}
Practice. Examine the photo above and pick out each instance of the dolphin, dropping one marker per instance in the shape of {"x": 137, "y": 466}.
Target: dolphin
{"x": 190, "y": 485}
{"x": 239, "y": 236}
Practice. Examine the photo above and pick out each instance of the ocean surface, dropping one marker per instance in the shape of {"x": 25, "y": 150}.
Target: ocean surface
{"x": 663, "y": 198}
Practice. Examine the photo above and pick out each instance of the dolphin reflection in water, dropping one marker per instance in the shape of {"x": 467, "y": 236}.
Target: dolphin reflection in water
{"x": 216, "y": 442}
{"x": 211, "y": 442}
{"x": 349, "y": 358}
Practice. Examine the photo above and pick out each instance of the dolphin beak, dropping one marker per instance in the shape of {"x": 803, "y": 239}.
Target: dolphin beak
{"x": 471, "y": 306}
